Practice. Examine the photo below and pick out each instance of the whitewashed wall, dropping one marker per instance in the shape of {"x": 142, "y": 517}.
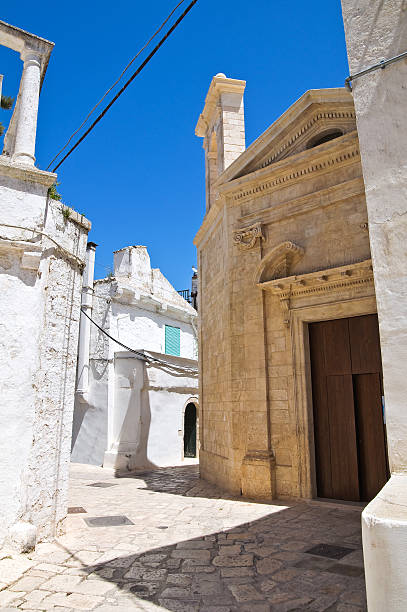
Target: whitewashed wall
{"x": 376, "y": 30}
{"x": 39, "y": 313}
{"x": 134, "y": 306}
{"x": 148, "y": 424}
{"x": 138, "y": 327}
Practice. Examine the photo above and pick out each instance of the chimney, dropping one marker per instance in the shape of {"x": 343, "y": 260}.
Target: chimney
{"x": 82, "y": 376}
{"x": 221, "y": 125}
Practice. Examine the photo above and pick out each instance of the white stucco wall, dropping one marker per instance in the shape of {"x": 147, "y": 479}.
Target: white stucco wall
{"x": 138, "y": 327}
{"x": 39, "y": 313}
{"x": 375, "y": 31}
{"x": 134, "y": 306}
{"x": 148, "y": 423}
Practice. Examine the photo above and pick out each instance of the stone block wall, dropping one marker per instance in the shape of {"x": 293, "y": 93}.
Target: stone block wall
{"x": 309, "y": 206}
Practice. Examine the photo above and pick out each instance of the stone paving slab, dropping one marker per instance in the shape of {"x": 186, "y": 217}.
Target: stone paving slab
{"x": 188, "y": 548}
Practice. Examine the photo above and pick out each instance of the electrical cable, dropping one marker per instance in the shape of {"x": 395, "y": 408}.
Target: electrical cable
{"x": 133, "y": 76}
{"x": 115, "y": 83}
{"x": 78, "y": 260}
{"x": 139, "y": 354}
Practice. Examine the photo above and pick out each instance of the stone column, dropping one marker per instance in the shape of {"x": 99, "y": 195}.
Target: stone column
{"x": 376, "y": 31}
{"x": 24, "y": 148}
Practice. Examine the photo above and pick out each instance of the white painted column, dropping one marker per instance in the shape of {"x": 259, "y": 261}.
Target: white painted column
{"x": 82, "y": 382}
{"x": 24, "y": 148}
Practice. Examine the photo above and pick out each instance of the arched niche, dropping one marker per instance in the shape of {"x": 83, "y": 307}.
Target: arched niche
{"x": 278, "y": 262}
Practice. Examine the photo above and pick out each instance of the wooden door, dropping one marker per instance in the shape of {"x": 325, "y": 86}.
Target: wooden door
{"x": 350, "y": 452}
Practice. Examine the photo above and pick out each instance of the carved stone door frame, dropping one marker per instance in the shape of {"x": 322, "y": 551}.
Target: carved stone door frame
{"x": 301, "y": 316}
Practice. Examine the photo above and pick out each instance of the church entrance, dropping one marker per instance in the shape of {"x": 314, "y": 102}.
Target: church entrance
{"x": 349, "y": 417}
{"x": 190, "y": 431}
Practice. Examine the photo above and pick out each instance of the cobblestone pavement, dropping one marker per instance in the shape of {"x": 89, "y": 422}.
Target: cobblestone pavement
{"x": 186, "y": 547}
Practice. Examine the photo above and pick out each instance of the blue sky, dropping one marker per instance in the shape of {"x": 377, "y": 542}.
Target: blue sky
{"x": 139, "y": 176}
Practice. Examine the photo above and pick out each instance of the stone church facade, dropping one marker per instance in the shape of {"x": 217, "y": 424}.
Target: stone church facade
{"x": 286, "y": 284}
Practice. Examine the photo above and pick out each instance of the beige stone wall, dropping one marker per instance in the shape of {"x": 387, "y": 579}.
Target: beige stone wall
{"x": 256, "y": 410}
{"x": 215, "y": 363}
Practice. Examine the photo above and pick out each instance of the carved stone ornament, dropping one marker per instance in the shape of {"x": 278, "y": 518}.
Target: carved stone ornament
{"x": 279, "y": 261}
{"x": 247, "y": 237}
{"x": 352, "y": 276}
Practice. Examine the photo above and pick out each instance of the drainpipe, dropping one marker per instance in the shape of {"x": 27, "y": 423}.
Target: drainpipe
{"x": 82, "y": 381}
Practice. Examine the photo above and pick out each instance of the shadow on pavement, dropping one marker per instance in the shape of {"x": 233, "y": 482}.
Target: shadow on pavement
{"x": 258, "y": 567}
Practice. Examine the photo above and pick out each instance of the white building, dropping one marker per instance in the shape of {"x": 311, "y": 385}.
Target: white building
{"x": 131, "y": 408}
{"x": 42, "y": 250}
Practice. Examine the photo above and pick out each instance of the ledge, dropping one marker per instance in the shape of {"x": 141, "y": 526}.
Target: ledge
{"x": 326, "y": 158}
{"x": 77, "y": 218}
{"x": 26, "y": 173}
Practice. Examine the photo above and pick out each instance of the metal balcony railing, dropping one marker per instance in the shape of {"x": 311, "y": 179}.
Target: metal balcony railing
{"x": 189, "y": 297}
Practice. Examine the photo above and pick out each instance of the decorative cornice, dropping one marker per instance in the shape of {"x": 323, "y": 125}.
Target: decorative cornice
{"x": 261, "y": 187}
{"x": 210, "y": 220}
{"x": 329, "y": 99}
{"x": 278, "y": 151}
{"x": 317, "y": 199}
{"x": 321, "y": 281}
{"x": 246, "y": 237}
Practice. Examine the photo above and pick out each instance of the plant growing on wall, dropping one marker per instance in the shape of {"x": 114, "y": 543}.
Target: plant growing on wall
{"x": 6, "y": 102}
{"x": 66, "y": 212}
{"x": 53, "y": 193}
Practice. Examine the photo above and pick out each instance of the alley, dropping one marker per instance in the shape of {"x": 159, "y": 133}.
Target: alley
{"x": 165, "y": 540}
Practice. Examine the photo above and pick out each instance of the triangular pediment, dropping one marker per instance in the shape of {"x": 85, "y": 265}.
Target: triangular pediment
{"x": 318, "y": 117}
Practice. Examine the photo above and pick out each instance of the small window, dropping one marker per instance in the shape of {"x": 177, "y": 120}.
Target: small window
{"x": 321, "y": 138}
{"x": 172, "y": 340}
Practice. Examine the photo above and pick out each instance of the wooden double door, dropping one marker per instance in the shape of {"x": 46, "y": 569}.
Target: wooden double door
{"x": 347, "y": 390}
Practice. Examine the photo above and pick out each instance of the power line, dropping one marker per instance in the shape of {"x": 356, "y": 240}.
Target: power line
{"x": 139, "y": 354}
{"x": 114, "y": 84}
{"x": 139, "y": 69}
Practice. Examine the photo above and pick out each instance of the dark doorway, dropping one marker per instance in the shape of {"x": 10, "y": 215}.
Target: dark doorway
{"x": 349, "y": 423}
{"x": 190, "y": 431}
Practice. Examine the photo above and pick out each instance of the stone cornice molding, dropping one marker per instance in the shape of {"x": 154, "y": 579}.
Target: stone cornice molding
{"x": 317, "y": 199}
{"x": 132, "y": 296}
{"x": 219, "y": 84}
{"x": 279, "y": 261}
{"x": 293, "y": 169}
{"x": 209, "y": 220}
{"x": 24, "y": 42}
{"x": 246, "y": 237}
{"x": 25, "y": 173}
{"x": 326, "y": 117}
{"x": 286, "y": 208}
{"x": 333, "y": 100}
{"x": 341, "y": 278}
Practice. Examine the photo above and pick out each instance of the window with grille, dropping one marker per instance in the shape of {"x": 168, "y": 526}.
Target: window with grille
{"x": 172, "y": 340}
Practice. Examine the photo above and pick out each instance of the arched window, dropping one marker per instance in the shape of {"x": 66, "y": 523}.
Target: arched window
{"x": 324, "y": 137}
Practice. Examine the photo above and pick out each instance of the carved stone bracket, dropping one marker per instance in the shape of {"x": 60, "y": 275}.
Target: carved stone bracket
{"x": 285, "y": 306}
{"x": 247, "y": 237}
{"x": 323, "y": 281}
